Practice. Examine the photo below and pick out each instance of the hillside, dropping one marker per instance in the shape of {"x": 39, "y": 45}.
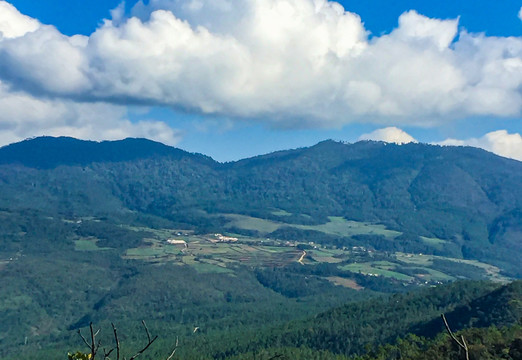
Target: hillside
{"x": 465, "y": 198}
{"x": 49, "y": 152}
{"x": 351, "y": 328}
{"x": 259, "y": 251}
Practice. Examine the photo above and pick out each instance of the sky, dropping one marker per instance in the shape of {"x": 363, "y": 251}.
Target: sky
{"x": 238, "y": 78}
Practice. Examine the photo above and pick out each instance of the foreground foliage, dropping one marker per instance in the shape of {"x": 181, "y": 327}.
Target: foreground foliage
{"x": 380, "y": 329}
{"x": 484, "y": 344}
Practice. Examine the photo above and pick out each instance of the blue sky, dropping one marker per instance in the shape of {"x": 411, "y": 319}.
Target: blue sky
{"x": 247, "y": 79}
{"x": 497, "y": 18}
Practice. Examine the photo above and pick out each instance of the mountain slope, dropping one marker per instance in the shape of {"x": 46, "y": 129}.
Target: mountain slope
{"x": 465, "y": 196}
{"x": 351, "y": 328}
{"x": 49, "y": 152}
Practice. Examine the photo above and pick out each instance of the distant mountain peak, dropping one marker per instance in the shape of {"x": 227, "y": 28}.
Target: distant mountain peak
{"x": 49, "y": 152}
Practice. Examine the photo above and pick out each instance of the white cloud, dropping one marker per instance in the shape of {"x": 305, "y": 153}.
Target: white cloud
{"x": 413, "y": 27}
{"x": 520, "y": 13}
{"x": 389, "y": 135}
{"x": 24, "y": 116}
{"x": 60, "y": 68}
{"x": 13, "y": 24}
{"x": 46, "y": 61}
{"x": 292, "y": 63}
{"x": 499, "y": 142}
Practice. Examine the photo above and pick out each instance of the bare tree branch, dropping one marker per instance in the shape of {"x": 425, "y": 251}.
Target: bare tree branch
{"x": 465, "y": 347}
{"x": 276, "y": 356}
{"x": 94, "y": 345}
{"x": 107, "y": 354}
{"x": 98, "y": 344}
{"x": 83, "y": 338}
{"x": 172, "y": 354}
{"x": 148, "y": 344}
{"x": 117, "y": 341}
{"x": 93, "y": 342}
{"x": 174, "y": 351}
{"x": 146, "y": 329}
{"x": 462, "y": 344}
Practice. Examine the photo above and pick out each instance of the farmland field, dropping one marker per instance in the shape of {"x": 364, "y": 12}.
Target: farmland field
{"x": 344, "y": 282}
{"x": 374, "y": 269}
{"x": 436, "y": 243}
{"x": 88, "y": 244}
{"x": 335, "y": 226}
{"x": 206, "y": 254}
{"x": 490, "y": 271}
{"x": 342, "y": 227}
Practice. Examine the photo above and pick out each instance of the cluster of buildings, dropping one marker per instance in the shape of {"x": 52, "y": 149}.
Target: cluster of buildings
{"x": 223, "y": 238}
{"x": 177, "y": 242}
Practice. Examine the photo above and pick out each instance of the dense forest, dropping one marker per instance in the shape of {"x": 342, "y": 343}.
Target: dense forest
{"x": 467, "y": 197}
{"x": 337, "y": 251}
{"x": 401, "y": 326}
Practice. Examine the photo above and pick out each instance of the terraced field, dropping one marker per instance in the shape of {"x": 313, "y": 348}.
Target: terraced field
{"x": 204, "y": 250}
{"x": 216, "y": 253}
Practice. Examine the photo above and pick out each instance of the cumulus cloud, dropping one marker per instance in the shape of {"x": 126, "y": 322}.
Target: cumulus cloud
{"x": 24, "y": 116}
{"x": 499, "y": 142}
{"x": 520, "y": 13}
{"x": 389, "y": 135}
{"x": 292, "y": 63}
{"x": 14, "y": 24}
{"x": 61, "y": 66}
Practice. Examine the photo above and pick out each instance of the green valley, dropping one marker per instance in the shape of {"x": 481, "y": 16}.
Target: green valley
{"x": 327, "y": 252}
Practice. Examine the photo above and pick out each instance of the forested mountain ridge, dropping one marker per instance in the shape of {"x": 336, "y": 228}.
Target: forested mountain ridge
{"x": 465, "y": 196}
{"x": 253, "y": 253}
{"x": 350, "y": 329}
{"x": 49, "y": 152}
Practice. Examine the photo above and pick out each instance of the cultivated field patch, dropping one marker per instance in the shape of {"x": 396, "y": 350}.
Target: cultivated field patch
{"x": 348, "y": 283}
{"x": 341, "y": 227}
{"x": 88, "y": 244}
{"x": 337, "y": 226}
{"x": 372, "y": 269}
{"x": 209, "y": 254}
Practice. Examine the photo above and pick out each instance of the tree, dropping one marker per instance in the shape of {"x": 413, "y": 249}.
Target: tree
{"x": 94, "y": 345}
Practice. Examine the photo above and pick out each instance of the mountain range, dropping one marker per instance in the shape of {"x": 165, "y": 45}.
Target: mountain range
{"x": 468, "y": 199}
{"x": 286, "y": 253}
